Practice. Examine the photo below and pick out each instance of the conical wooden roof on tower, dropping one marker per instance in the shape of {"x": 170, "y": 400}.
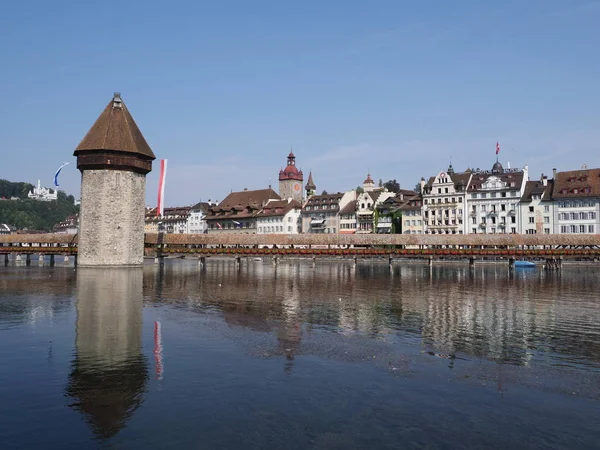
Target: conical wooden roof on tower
{"x": 115, "y": 142}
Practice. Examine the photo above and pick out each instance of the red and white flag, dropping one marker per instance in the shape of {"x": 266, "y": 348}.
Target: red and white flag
{"x": 497, "y": 148}
{"x": 220, "y": 226}
{"x": 161, "y": 188}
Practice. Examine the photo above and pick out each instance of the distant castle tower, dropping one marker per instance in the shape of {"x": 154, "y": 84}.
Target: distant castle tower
{"x": 290, "y": 180}
{"x": 114, "y": 159}
{"x": 310, "y": 187}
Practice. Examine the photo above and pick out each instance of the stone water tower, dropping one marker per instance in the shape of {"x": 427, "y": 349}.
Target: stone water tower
{"x": 114, "y": 159}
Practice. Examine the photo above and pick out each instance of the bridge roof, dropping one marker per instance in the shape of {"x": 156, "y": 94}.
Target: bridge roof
{"x": 115, "y": 130}
{"x": 336, "y": 239}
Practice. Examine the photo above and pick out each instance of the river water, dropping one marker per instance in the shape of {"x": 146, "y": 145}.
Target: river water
{"x": 296, "y": 357}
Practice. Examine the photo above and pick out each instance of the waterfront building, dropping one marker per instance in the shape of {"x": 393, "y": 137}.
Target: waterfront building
{"x": 347, "y": 218}
{"x": 320, "y": 213}
{"x": 237, "y": 212}
{"x": 42, "y": 194}
{"x": 445, "y": 202}
{"x": 536, "y": 207}
{"x": 493, "y": 199}
{"x": 576, "y": 197}
{"x": 197, "y": 218}
{"x": 114, "y": 159}
{"x": 366, "y": 205}
{"x": 279, "y": 217}
{"x": 68, "y": 226}
{"x": 400, "y": 214}
{"x": 175, "y": 220}
{"x": 290, "y": 180}
{"x": 7, "y": 229}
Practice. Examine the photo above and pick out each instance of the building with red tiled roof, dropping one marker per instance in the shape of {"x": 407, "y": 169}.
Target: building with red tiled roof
{"x": 68, "y": 226}
{"x": 279, "y": 217}
{"x": 237, "y": 212}
{"x": 576, "y": 197}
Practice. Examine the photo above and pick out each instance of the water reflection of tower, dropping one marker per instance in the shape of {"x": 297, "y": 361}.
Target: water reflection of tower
{"x": 289, "y": 333}
{"x": 109, "y": 373}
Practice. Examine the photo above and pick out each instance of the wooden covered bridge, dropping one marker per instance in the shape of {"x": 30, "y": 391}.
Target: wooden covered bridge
{"x": 550, "y": 248}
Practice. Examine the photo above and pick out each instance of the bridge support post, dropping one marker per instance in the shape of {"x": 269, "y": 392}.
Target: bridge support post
{"x": 430, "y": 262}
{"x": 6, "y": 260}
{"x": 202, "y": 261}
{"x": 75, "y": 260}
{"x": 28, "y": 259}
{"x": 314, "y": 262}
{"x": 511, "y": 262}
{"x": 274, "y": 260}
{"x": 51, "y": 260}
{"x": 238, "y": 261}
{"x": 471, "y": 262}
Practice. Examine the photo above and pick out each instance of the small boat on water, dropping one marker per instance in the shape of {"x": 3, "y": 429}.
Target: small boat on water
{"x": 523, "y": 263}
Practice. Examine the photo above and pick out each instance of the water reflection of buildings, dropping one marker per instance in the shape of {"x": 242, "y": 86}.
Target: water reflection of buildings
{"x": 109, "y": 373}
{"x": 486, "y": 312}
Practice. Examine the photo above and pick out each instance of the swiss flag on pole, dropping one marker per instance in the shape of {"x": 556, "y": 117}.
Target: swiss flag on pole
{"x": 497, "y": 148}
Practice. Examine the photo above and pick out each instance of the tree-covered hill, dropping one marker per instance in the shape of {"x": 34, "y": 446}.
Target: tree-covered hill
{"x": 32, "y": 214}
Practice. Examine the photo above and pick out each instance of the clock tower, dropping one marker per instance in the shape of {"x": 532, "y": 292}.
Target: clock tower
{"x": 290, "y": 180}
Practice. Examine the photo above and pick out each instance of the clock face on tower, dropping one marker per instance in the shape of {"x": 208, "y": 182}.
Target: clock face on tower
{"x": 296, "y": 187}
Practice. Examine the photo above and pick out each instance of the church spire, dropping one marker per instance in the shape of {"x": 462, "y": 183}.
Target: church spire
{"x": 310, "y": 185}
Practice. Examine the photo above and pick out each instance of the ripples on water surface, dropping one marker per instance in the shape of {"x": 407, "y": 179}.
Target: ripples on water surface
{"x": 296, "y": 357}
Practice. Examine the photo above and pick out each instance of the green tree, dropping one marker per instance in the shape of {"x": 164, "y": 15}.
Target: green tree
{"x": 392, "y": 186}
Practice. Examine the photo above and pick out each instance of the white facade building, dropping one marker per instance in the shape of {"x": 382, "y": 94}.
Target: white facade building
{"x": 444, "y": 203}
{"x": 279, "y": 217}
{"x": 197, "y": 218}
{"x": 493, "y": 200}
{"x": 537, "y": 208}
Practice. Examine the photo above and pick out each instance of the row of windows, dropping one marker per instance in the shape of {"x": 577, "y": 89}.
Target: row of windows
{"x": 317, "y": 207}
{"x": 532, "y": 231}
{"x": 576, "y": 203}
{"x": 412, "y": 223}
{"x": 493, "y": 220}
{"x": 495, "y": 231}
{"x": 484, "y": 208}
{"x": 446, "y": 200}
{"x": 577, "y": 216}
{"x": 347, "y": 226}
{"x": 446, "y": 212}
{"x": 274, "y": 229}
{"x": 546, "y": 219}
{"x": 494, "y": 194}
{"x": 445, "y": 222}
{"x": 576, "y": 229}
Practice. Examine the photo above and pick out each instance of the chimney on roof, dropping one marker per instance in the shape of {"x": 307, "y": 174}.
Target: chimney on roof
{"x": 245, "y": 189}
{"x": 544, "y": 180}
{"x": 554, "y": 173}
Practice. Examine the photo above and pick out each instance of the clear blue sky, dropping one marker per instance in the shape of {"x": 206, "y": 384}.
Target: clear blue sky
{"x": 223, "y": 88}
